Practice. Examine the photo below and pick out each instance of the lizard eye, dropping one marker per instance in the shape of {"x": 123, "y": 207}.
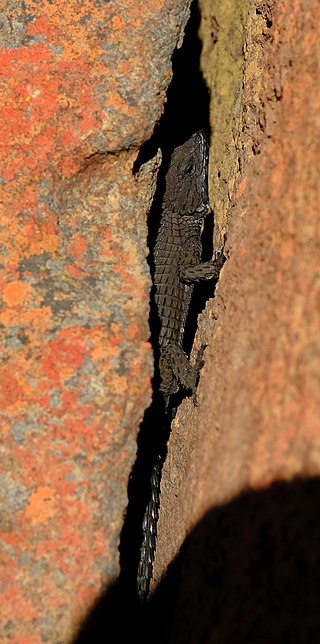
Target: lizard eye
{"x": 190, "y": 169}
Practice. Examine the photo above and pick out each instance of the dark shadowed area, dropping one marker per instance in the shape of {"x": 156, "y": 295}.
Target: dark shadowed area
{"x": 177, "y": 124}
{"x": 248, "y": 573}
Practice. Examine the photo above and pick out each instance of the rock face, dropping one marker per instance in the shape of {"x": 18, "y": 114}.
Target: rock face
{"x": 258, "y": 414}
{"x": 84, "y": 85}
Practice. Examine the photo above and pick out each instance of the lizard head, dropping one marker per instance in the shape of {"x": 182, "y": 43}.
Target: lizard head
{"x": 187, "y": 180}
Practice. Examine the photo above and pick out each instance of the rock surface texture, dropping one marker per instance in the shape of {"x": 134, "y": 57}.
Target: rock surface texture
{"x": 249, "y": 571}
{"x": 83, "y": 84}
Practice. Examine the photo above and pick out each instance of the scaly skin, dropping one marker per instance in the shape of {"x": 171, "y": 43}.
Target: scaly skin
{"x": 177, "y": 265}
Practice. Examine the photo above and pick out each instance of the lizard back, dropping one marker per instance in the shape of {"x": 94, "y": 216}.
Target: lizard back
{"x": 177, "y": 265}
{"x": 178, "y": 247}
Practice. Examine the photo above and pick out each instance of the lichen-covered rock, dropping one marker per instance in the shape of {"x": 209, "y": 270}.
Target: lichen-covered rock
{"x": 83, "y": 86}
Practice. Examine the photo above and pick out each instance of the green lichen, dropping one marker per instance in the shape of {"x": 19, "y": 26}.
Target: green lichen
{"x": 222, "y": 30}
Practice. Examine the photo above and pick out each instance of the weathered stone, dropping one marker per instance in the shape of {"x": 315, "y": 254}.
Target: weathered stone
{"x": 84, "y": 85}
{"x": 257, "y": 419}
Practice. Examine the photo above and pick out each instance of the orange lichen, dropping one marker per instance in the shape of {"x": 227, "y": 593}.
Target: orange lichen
{"x": 38, "y": 318}
{"x": 22, "y": 608}
{"x": 11, "y": 391}
{"x": 64, "y": 355}
{"x": 41, "y": 505}
{"x": 16, "y": 293}
{"x": 75, "y": 271}
{"x": 77, "y": 246}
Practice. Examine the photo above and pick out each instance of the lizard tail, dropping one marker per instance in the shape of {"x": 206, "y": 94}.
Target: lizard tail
{"x": 149, "y": 529}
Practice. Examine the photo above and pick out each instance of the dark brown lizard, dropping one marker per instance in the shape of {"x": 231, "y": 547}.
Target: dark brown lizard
{"x": 177, "y": 266}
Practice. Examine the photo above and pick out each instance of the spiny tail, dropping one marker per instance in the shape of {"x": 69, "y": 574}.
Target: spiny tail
{"x": 149, "y": 530}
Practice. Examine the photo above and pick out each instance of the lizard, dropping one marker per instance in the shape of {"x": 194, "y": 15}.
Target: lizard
{"x": 177, "y": 266}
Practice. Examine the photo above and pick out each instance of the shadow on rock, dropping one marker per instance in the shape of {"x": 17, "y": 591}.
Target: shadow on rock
{"x": 248, "y": 573}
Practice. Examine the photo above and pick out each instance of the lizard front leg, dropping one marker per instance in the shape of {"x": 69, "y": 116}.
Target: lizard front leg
{"x": 204, "y": 271}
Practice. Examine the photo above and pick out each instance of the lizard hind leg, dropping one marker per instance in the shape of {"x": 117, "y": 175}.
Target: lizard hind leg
{"x": 185, "y": 373}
